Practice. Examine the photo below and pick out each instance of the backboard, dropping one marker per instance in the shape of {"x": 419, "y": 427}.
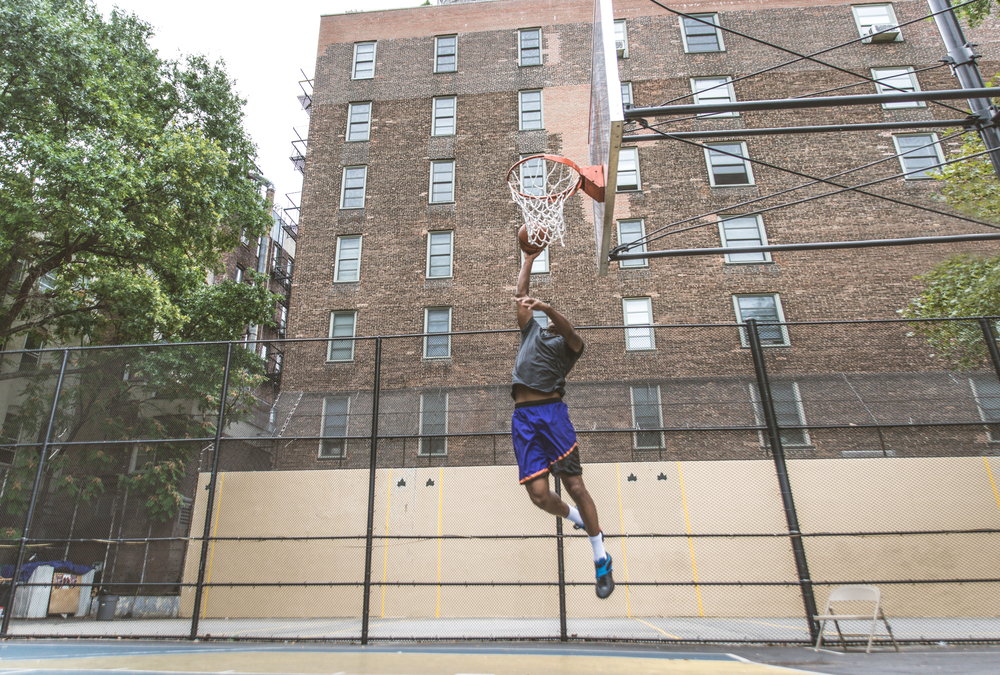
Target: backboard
{"x": 607, "y": 117}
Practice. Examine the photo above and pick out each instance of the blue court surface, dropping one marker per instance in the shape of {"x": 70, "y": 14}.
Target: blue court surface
{"x": 151, "y": 658}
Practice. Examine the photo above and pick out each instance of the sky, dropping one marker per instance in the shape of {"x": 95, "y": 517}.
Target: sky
{"x": 264, "y": 46}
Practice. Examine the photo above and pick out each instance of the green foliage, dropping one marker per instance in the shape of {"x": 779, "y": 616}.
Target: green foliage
{"x": 971, "y": 186}
{"x": 977, "y": 12}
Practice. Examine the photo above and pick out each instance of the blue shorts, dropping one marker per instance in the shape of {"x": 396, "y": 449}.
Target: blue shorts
{"x": 544, "y": 439}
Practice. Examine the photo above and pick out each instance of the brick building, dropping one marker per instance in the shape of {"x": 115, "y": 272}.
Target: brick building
{"x": 407, "y": 227}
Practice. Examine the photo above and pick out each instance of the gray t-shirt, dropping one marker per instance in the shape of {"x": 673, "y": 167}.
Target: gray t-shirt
{"x": 543, "y": 360}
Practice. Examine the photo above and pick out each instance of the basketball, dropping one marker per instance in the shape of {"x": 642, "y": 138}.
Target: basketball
{"x": 522, "y": 241}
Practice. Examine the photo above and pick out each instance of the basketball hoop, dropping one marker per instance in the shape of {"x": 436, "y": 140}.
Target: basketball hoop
{"x": 540, "y": 185}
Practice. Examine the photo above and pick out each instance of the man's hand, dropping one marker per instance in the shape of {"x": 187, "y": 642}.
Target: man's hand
{"x": 531, "y": 304}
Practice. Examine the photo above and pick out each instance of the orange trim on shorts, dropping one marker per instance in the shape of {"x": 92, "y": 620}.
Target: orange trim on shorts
{"x": 565, "y": 455}
{"x": 546, "y": 469}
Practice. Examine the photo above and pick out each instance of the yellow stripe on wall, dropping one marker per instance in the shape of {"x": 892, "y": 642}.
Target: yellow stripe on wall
{"x": 687, "y": 523}
{"x": 621, "y": 520}
{"x": 989, "y": 473}
{"x": 385, "y": 544}
{"x": 437, "y": 611}
{"x": 211, "y": 550}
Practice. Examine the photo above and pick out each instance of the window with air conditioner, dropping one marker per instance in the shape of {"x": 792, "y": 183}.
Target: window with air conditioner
{"x": 876, "y": 23}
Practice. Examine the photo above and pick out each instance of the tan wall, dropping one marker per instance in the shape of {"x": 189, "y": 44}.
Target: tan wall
{"x": 881, "y": 494}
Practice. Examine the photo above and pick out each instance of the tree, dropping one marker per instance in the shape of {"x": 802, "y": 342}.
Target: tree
{"x": 124, "y": 177}
{"x": 976, "y": 12}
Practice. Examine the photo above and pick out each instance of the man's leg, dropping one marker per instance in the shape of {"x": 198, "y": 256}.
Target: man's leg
{"x": 544, "y": 498}
{"x": 588, "y": 511}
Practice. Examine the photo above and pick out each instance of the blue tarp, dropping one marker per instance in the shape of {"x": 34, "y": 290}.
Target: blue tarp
{"x": 7, "y": 571}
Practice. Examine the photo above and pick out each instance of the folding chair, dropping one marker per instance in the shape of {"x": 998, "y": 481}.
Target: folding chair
{"x": 854, "y": 594}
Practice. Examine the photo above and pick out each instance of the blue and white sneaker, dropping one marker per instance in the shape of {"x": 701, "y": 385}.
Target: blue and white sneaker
{"x": 605, "y": 582}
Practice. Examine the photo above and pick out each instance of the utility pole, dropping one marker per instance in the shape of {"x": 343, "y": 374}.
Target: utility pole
{"x": 962, "y": 59}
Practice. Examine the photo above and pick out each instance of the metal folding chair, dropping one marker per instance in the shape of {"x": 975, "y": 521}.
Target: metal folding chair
{"x": 854, "y": 594}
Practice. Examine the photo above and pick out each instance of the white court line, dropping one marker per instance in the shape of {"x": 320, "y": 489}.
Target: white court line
{"x": 768, "y": 665}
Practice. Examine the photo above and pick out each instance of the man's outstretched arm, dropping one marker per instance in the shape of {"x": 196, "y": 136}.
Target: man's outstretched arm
{"x": 560, "y": 324}
{"x": 523, "y": 286}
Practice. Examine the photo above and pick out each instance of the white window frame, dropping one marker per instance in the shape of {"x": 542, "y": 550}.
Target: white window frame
{"x": 339, "y": 273}
{"x": 359, "y": 131}
{"x": 718, "y": 35}
{"x": 437, "y": 117}
{"x": 360, "y": 71}
{"x": 765, "y": 257}
{"x": 635, "y": 419}
{"x": 344, "y": 188}
{"x": 748, "y": 169}
{"x": 719, "y": 90}
{"x": 923, "y": 175}
{"x": 992, "y": 425}
{"x": 440, "y": 67}
{"x": 624, "y": 239}
{"x": 540, "y": 317}
{"x": 340, "y": 440}
{"x": 744, "y": 339}
{"x": 621, "y": 36}
{"x": 521, "y": 110}
{"x": 640, "y": 338}
{"x": 433, "y": 195}
{"x": 628, "y": 154}
{"x": 343, "y": 340}
{"x": 532, "y": 176}
{"x": 758, "y": 411}
{"x": 863, "y": 27}
{"x": 439, "y": 234}
{"x": 879, "y": 75}
{"x": 426, "y": 444}
{"x": 239, "y": 274}
{"x": 628, "y": 100}
{"x": 521, "y": 48}
{"x": 427, "y": 338}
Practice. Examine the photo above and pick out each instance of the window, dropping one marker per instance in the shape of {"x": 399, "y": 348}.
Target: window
{"x": 638, "y": 312}
{"x": 919, "y": 154}
{"x": 47, "y": 281}
{"x": 433, "y": 423}
{"x": 11, "y": 432}
{"x": 336, "y": 410}
{"x": 359, "y": 120}
{"x": 986, "y": 390}
{"x": 348, "y": 264}
{"x": 530, "y": 109}
{"x": 437, "y": 320}
{"x": 727, "y": 164}
{"x": 892, "y": 80}
{"x": 239, "y": 274}
{"x": 629, "y": 231}
{"x": 742, "y": 231}
{"x": 439, "y": 254}
{"x": 788, "y": 412}
{"x": 627, "y": 95}
{"x": 443, "y": 181}
{"x": 445, "y": 51}
{"x": 621, "y": 38}
{"x": 646, "y": 414}
{"x": 628, "y": 169}
{"x": 540, "y": 317}
{"x": 529, "y": 47}
{"x": 364, "y": 60}
{"x": 444, "y": 119}
{"x": 352, "y": 194}
{"x": 766, "y": 309}
{"x": 30, "y": 358}
{"x": 701, "y": 33}
{"x": 341, "y": 326}
{"x": 867, "y": 16}
{"x": 714, "y": 90}
{"x": 533, "y": 177}
{"x": 541, "y": 264}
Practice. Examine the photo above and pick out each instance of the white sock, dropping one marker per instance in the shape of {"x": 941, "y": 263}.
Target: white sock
{"x": 598, "y": 544}
{"x": 574, "y": 515}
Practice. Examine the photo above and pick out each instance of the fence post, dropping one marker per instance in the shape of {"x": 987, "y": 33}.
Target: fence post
{"x": 209, "y": 507}
{"x": 991, "y": 343}
{"x": 563, "y": 633}
{"x": 372, "y": 460}
{"x": 5, "y": 624}
{"x": 778, "y": 454}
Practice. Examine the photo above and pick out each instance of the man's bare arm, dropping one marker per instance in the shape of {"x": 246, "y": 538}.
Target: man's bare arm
{"x": 560, "y": 324}
{"x": 523, "y": 286}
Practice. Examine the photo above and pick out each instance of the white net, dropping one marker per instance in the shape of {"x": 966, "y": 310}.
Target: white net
{"x": 541, "y": 186}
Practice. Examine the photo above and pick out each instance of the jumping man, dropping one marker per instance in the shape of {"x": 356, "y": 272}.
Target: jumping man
{"x": 544, "y": 438}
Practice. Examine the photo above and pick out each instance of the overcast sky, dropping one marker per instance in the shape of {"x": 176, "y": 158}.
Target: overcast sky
{"x": 264, "y": 45}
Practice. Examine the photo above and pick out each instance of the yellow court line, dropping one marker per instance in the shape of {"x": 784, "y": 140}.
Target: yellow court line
{"x": 621, "y": 520}
{"x": 385, "y": 542}
{"x": 211, "y": 555}
{"x": 687, "y": 523}
{"x": 989, "y": 473}
{"x": 437, "y": 611}
{"x": 657, "y": 629}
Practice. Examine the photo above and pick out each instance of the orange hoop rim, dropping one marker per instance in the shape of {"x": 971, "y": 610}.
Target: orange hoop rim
{"x": 561, "y": 195}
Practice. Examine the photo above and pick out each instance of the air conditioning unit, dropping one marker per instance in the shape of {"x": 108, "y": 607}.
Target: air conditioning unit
{"x": 620, "y": 47}
{"x": 883, "y": 32}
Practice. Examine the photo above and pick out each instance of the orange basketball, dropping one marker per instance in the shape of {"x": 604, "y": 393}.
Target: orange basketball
{"x": 524, "y": 243}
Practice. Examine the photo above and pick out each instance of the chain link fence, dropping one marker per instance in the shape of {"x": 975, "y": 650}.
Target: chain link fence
{"x": 740, "y": 474}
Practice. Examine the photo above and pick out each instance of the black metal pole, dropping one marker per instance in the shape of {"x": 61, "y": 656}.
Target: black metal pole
{"x": 372, "y": 461}
{"x": 778, "y": 455}
{"x": 209, "y": 506}
{"x": 563, "y": 633}
{"x": 962, "y": 59}
{"x": 5, "y": 624}
{"x": 991, "y": 343}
